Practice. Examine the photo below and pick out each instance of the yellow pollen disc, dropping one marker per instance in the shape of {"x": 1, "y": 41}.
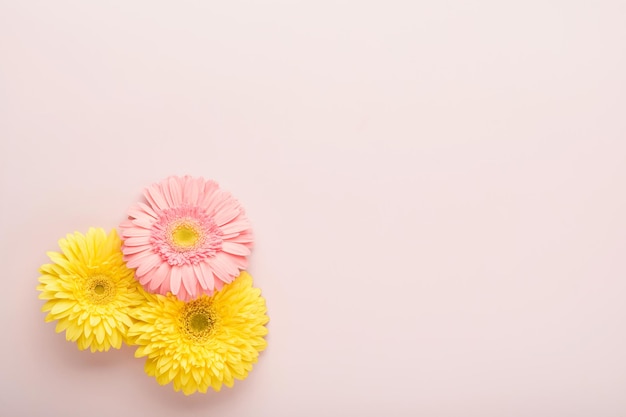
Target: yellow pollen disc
{"x": 99, "y": 289}
{"x": 185, "y": 236}
{"x": 197, "y": 320}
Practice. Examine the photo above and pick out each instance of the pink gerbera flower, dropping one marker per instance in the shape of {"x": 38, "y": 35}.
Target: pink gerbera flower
{"x": 190, "y": 238}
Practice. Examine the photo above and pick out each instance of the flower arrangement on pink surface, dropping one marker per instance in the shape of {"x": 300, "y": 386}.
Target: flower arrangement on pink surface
{"x": 200, "y": 322}
{"x": 189, "y": 237}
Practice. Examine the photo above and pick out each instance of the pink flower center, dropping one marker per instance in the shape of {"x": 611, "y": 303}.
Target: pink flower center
{"x": 185, "y": 235}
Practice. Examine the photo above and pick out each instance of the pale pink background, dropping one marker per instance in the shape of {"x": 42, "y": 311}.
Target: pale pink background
{"x": 437, "y": 188}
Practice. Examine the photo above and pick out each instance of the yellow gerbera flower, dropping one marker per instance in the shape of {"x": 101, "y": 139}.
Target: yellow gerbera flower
{"x": 90, "y": 290}
{"x": 206, "y": 342}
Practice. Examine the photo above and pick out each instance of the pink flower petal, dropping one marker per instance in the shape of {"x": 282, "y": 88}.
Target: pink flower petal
{"x": 239, "y": 262}
{"x": 189, "y": 279}
{"x": 137, "y": 241}
{"x": 135, "y": 232}
{"x": 137, "y": 212}
{"x": 143, "y": 222}
{"x": 192, "y": 191}
{"x": 240, "y": 238}
{"x": 130, "y": 250}
{"x": 197, "y": 268}
{"x": 148, "y": 264}
{"x": 158, "y": 276}
{"x": 155, "y": 197}
{"x": 236, "y": 226}
{"x": 227, "y": 214}
{"x": 219, "y": 269}
{"x": 144, "y": 280}
{"x": 147, "y": 209}
{"x": 165, "y": 192}
{"x": 235, "y": 249}
{"x": 208, "y": 195}
{"x": 176, "y": 191}
{"x": 136, "y": 259}
{"x": 219, "y": 200}
{"x": 126, "y": 224}
{"x": 209, "y": 276}
{"x": 165, "y": 286}
{"x": 182, "y": 294}
{"x": 175, "y": 279}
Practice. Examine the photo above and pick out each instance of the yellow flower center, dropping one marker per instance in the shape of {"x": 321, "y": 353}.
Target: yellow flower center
{"x": 100, "y": 289}
{"x": 185, "y": 235}
{"x": 197, "y": 320}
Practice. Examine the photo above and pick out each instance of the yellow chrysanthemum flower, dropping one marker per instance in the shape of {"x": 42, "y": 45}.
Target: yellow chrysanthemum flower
{"x": 90, "y": 290}
{"x": 206, "y": 342}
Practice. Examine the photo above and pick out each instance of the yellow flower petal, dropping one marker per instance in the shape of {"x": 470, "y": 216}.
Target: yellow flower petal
{"x": 90, "y": 290}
